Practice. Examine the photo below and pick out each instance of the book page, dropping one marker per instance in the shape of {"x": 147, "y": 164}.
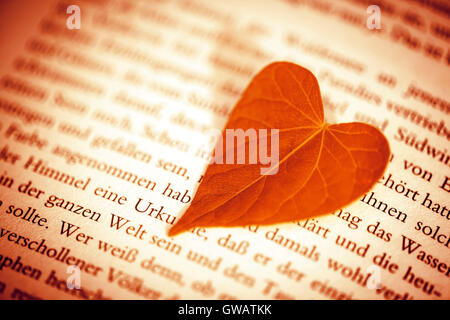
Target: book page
{"x": 107, "y": 126}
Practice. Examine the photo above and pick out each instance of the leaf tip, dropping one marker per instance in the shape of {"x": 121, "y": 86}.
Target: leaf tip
{"x": 177, "y": 229}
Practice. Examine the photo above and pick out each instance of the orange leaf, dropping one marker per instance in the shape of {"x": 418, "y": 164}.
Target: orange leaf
{"x": 321, "y": 167}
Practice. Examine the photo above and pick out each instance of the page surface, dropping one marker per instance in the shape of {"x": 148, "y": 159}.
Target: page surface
{"x": 106, "y": 131}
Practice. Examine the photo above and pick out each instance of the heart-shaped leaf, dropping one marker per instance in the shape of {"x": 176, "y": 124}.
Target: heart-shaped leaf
{"x": 322, "y": 167}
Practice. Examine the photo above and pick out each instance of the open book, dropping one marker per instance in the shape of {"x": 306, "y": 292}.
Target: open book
{"x": 107, "y": 109}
